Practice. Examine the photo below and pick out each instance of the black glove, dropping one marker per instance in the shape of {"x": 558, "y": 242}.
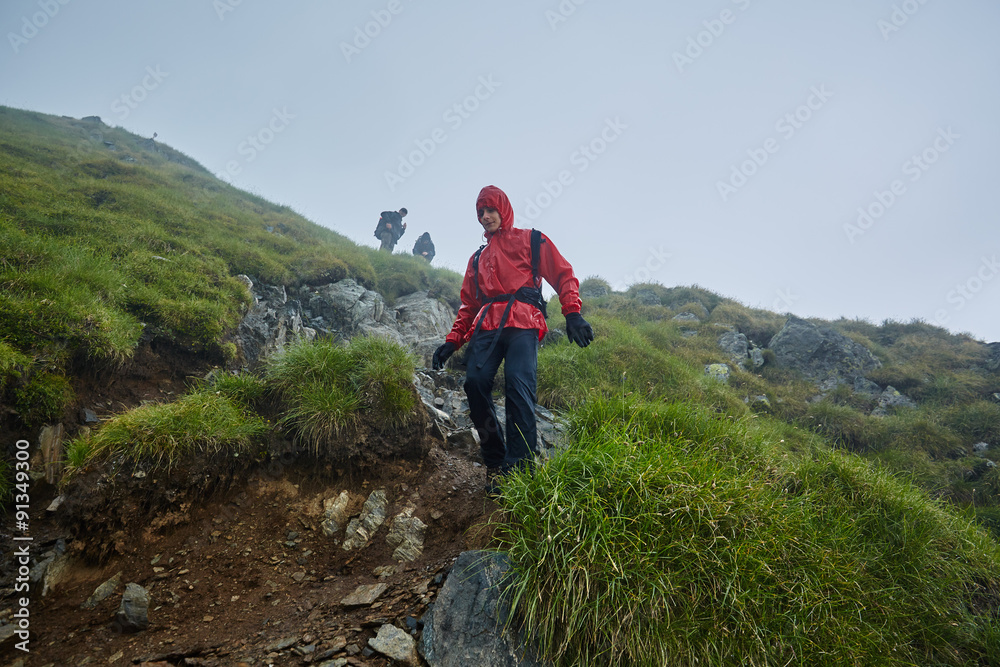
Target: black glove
{"x": 578, "y": 330}
{"x": 441, "y": 355}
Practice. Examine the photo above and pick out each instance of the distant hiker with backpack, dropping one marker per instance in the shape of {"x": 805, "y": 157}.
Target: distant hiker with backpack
{"x": 502, "y": 317}
{"x": 424, "y": 247}
{"x": 390, "y": 228}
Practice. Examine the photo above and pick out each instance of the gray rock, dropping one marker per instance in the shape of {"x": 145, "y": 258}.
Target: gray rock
{"x": 980, "y": 448}
{"x": 133, "y": 613}
{"x": 718, "y": 372}
{"x": 890, "y": 398}
{"x": 396, "y": 644}
{"x": 102, "y": 592}
{"x": 821, "y": 354}
{"x": 685, "y": 317}
{"x": 866, "y": 387}
{"x": 364, "y": 595}
{"x": 335, "y": 514}
{"x": 282, "y": 644}
{"x": 735, "y": 345}
{"x": 272, "y": 322}
{"x": 406, "y": 534}
{"x": 756, "y": 357}
{"x": 423, "y": 323}
{"x": 348, "y": 309}
{"x": 361, "y": 529}
{"x": 467, "y": 439}
{"x": 470, "y": 624}
{"x": 88, "y": 416}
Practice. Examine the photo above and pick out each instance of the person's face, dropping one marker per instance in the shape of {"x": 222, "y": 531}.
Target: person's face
{"x": 489, "y": 218}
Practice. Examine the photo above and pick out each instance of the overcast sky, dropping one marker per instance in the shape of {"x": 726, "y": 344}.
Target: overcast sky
{"x": 824, "y": 158}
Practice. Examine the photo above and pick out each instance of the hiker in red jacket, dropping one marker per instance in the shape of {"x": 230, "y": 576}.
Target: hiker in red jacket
{"x": 502, "y": 318}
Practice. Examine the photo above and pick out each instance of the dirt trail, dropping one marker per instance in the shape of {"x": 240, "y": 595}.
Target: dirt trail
{"x": 250, "y": 578}
{"x": 238, "y": 568}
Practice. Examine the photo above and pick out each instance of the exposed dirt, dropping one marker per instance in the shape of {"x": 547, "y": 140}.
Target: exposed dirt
{"x": 238, "y": 568}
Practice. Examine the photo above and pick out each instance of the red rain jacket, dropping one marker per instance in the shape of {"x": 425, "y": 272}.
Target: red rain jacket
{"x": 505, "y": 267}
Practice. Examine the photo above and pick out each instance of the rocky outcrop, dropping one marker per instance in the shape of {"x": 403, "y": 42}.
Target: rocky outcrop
{"x": 469, "y": 623}
{"x": 273, "y": 322}
{"x": 343, "y": 310}
{"x": 821, "y": 354}
{"x": 740, "y": 350}
{"x": 346, "y": 309}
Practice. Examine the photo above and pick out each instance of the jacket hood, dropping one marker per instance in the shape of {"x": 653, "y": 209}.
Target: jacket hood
{"x": 493, "y": 197}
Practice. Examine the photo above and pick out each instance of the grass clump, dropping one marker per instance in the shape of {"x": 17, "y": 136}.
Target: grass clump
{"x": 669, "y": 535}
{"x": 43, "y": 398}
{"x": 202, "y": 421}
{"x": 247, "y": 390}
{"x": 324, "y": 385}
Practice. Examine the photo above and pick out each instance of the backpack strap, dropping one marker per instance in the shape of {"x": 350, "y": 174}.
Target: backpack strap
{"x": 475, "y": 267}
{"x": 536, "y": 251}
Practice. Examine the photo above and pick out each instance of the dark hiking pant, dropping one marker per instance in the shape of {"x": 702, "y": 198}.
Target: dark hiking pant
{"x": 388, "y": 240}
{"x": 518, "y": 349}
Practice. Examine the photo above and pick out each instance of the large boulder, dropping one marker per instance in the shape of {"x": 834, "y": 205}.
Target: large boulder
{"x": 423, "y": 323}
{"x": 470, "y": 622}
{"x": 347, "y": 309}
{"x": 821, "y": 354}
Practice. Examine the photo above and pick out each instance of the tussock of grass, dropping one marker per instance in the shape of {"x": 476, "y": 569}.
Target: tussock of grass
{"x": 246, "y": 390}
{"x": 668, "y": 535}
{"x": 324, "y": 386}
{"x": 203, "y": 421}
{"x": 42, "y": 398}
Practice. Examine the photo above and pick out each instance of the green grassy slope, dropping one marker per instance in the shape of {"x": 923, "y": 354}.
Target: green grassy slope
{"x": 106, "y": 237}
{"x": 687, "y": 523}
